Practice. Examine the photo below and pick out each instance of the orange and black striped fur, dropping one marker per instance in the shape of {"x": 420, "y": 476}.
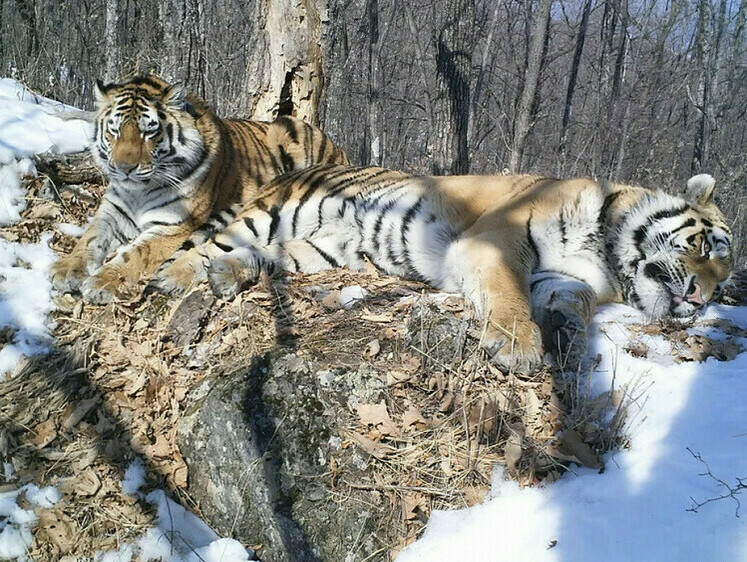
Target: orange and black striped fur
{"x": 175, "y": 170}
{"x": 535, "y": 255}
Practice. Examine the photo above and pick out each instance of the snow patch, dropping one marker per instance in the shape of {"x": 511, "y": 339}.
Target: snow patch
{"x": 134, "y": 477}
{"x": 25, "y": 299}
{"x": 16, "y": 523}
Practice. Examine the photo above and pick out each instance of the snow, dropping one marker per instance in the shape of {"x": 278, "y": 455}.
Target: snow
{"x": 179, "y": 536}
{"x": 16, "y": 523}
{"x": 70, "y": 229}
{"x": 349, "y": 296}
{"x": 134, "y": 477}
{"x": 25, "y": 299}
{"x": 29, "y": 124}
{"x": 637, "y": 508}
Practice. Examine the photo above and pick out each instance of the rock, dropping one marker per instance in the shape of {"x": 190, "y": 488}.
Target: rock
{"x": 262, "y": 446}
{"x": 438, "y": 336}
{"x": 189, "y": 317}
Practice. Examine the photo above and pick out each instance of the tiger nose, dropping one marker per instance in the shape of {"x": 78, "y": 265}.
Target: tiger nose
{"x": 695, "y": 296}
{"x": 126, "y": 167}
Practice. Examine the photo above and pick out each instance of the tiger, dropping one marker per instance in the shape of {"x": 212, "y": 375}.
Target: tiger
{"x": 176, "y": 173}
{"x": 534, "y": 255}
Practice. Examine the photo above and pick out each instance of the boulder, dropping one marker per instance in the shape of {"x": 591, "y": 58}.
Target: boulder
{"x": 263, "y": 446}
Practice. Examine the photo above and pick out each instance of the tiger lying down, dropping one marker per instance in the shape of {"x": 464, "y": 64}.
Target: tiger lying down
{"x": 535, "y": 255}
{"x": 171, "y": 164}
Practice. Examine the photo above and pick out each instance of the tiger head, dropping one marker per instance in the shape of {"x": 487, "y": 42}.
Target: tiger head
{"x": 147, "y": 130}
{"x": 681, "y": 252}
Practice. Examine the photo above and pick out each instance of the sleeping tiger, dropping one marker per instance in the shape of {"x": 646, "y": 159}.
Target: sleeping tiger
{"x": 535, "y": 255}
{"x": 175, "y": 170}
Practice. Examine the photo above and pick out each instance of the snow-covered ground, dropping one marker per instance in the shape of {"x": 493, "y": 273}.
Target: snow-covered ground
{"x": 31, "y": 124}
{"x": 638, "y": 508}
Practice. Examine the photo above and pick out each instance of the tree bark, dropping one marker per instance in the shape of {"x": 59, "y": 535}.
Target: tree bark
{"x": 702, "y": 101}
{"x": 454, "y": 36}
{"x": 288, "y": 78}
{"x": 531, "y": 81}
{"x": 110, "y": 39}
{"x": 580, "y": 40}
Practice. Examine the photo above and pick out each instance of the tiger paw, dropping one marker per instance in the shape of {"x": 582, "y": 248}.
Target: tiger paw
{"x": 68, "y": 274}
{"x": 104, "y": 286}
{"x": 565, "y": 336}
{"x": 177, "y": 277}
{"x": 228, "y": 275}
{"x": 518, "y": 351}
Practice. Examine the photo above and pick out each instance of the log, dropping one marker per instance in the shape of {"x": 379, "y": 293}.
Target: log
{"x": 73, "y": 168}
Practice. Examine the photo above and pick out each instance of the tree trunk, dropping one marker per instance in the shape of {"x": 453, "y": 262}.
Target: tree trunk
{"x": 701, "y": 47}
{"x": 454, "y": 42}
{"x": 531, "y": 81}
{"x": 372, "y": 142}
{"x": 421, "y": 67}
{"x": 580, "y": 39}
{"x": 287, "y": 78}
{"x": 110, "y": 39}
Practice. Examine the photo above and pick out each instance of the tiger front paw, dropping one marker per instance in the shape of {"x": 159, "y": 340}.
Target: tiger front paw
{"x": 104, "y": 286}
{"x": 518, "y": 350}
{"x": 177, "y": 277}
{"x": 565, "y": 336}
{"x": 228, "y": 275}
{"x": 68, "y": 273}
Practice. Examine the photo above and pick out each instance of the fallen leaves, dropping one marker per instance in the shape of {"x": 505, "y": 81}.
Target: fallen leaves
{"x": 377, "y": 417}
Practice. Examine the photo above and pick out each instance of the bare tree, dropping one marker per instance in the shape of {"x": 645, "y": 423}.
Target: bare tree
{"x": 580, "y": 39}
{"x": 453, "y": 36}
{"x": 111, "y": 40}
{"x": 531, "y": 80}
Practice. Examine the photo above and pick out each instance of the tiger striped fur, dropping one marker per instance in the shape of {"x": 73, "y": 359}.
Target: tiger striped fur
{"x": 175, "y": 170}
{"x": 535, "y": 255}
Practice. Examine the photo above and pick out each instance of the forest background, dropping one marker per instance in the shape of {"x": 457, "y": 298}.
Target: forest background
{"x": 641, "y": 91}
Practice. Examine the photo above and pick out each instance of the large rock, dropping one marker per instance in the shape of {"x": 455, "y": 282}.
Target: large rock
{"x": 263, "y": 447}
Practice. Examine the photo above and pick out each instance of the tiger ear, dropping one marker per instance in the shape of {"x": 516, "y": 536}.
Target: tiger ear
{"x": 174, "y": 96}
{"x": 101, "y": 93}
{"x": 700, "y": 189}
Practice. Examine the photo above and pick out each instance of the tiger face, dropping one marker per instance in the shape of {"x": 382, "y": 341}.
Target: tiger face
{"x": 146, "y": 132}
{"x": 683, "y": 255}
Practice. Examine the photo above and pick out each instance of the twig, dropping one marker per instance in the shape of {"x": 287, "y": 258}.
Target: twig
{"x": 734, "y": 491}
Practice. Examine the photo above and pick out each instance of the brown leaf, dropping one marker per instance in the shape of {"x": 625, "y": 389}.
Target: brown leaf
{"x": 637, "y": 349}
{"x": 56, "y": 528}
{"x": 45, "y": 433}
{"x": 413, "y": 420}
{"x": 81, "y": 411}
{"x": 179, "y": 474}
{"x": 512, "y": 454}
{"x": 45, "y": 210}
{"x": 411, "y": 364}
{"x": 396, "y": 377}
{"x": 377, "y": 416}
{"x": 412, "y": 503}
{"x": 88, "y": 483}
{"x": 331, "y": 301}
{"x": 372, "y": 349}
{"x": 446, "y": 402}
{"x": 571, "y": 443}
{"x": 373, "y": 448}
